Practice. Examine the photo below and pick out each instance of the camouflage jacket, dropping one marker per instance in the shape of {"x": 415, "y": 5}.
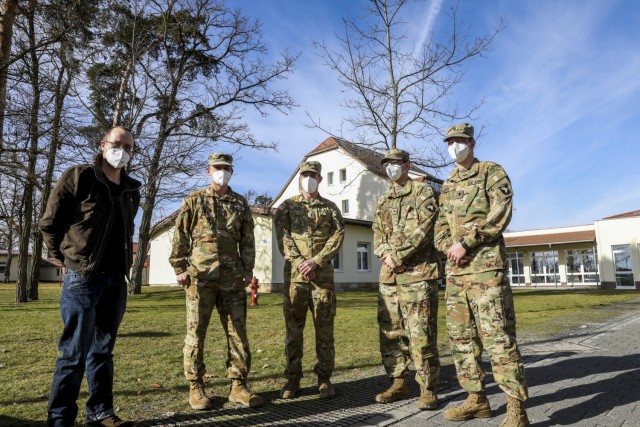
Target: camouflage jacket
{"x": 309, "y": 229}
{"x": 475, "y": 205}
{"x": 403, "y": 228}
{"x": 213, "y": 236}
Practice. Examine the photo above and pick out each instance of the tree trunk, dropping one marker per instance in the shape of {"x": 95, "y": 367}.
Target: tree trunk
{"x": 62, "y": 89}
{"x": 135, "y": 286}
{"x": 25, "y": 232}
{"x": 7, "y": 16}
{"x": 124, "y": 80}
{"x": 7, "y": 269}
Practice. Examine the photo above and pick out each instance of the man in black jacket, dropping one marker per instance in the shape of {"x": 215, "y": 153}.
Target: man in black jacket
{"x": 88, "y": 225}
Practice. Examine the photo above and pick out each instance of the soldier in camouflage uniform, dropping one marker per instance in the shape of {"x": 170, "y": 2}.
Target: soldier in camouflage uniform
{"x": 475, "y": 209}
{"x": 213, "y": 257}
{"x": 310, "y": 231}
{"x": 408, "y": 298}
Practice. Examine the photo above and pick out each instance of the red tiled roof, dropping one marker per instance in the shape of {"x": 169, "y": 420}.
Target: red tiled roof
{"x": 551, "y": 238}
{"x": 624, "y": 215}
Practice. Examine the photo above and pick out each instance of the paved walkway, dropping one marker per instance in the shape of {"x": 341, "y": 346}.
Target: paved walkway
{"x": 589, "y": 378}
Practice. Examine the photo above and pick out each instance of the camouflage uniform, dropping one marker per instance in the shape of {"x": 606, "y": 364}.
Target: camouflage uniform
{"x": 309, "y": 229}
{"x": 475, "y": 205}
{"x": 213, "y": 241}
{"x": 408, "y": 301}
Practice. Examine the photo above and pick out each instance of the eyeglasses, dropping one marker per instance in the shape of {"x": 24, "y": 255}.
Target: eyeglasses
{"x": 126, "y": 147}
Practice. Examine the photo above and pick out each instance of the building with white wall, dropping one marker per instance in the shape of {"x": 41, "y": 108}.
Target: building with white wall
{"x": 49, "y": 267}
{"x": 353, "y": 178}
{"x": 605, "y": 254}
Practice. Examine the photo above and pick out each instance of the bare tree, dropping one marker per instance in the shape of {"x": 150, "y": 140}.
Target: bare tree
{"x": 7, "y": 16}
{"x": 40, "y": 79}
{"x": 10, "y": 207}
{"x": 204, "y": 63}
{"x": 398, "y": 92}
{"x": 255, "y": 199}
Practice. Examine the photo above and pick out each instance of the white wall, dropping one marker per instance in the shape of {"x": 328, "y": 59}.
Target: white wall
{"x": 47, "y": 274}
{"x": 160, "y": 271}
{"x": 349, "y": 273}
{"x": 265, "y": 240}
{"x": 618, "y": 231}
{"x": 362, "y": 188}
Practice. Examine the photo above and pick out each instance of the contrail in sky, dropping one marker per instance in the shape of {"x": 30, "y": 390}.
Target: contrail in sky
{"x": 427, "y": 29}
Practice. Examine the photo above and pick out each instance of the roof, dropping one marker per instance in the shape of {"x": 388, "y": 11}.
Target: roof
{"x": 551, "y": 238}
{"x": 624, "y": 215}
{"x": 370, "y": 160}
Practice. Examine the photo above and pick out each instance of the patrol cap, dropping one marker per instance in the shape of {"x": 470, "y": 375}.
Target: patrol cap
{"x": 311, "y": 166}
{"x": 395, "y": 154}
{"x": 220, "y": 159}
{"x": 461, "y": 130}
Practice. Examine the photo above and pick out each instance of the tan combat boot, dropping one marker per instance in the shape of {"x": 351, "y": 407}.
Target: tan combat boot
{"x": 326, "y": 388}
{"x": 290, "y": 389}
{"x": 241, "y": 394}
{"x": 428, "y": 399}
{"x": 516, "y": 415}
{"x": 197, "y": 397}
{"x": 475, "y": 406}
{"x": 397, "y": 391}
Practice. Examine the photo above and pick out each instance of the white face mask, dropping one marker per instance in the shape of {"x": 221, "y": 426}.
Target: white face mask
{"x": 117, "y": 157}
{"x": 221, "y": 177}
{"x": 458, "y": 151}
{"x": 393, "y": 171}
{"x": 309, "y": 185}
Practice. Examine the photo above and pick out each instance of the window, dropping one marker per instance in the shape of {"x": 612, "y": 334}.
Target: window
{"x": 515, "y": 265}
{"x": 345, "y": 206}
{"x": 622, "y": 265}
{"x": 3, "y": 266}
{"x": 343, "y": 175}
{"x": 581, "y": 266}
{"x": 337, "y": 261}
{"x": 544, "y": 267}
{"x": 330, "y": 178}
{"x": 363, "y": 256}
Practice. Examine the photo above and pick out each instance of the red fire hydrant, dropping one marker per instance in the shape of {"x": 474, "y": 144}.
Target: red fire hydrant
{"x": 254, "y": 291}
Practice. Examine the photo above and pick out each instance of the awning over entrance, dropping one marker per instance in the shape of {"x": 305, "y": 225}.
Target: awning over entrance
{"x": 551, "y": 238}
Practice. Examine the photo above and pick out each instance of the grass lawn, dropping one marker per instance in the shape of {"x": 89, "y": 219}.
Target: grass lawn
{"x": 149, "y": 381}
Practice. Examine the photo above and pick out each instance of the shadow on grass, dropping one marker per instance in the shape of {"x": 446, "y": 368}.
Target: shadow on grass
{"x": 354, "y": 402}
{"x": 145, "y": 334}
{"x": 6, "y": 420}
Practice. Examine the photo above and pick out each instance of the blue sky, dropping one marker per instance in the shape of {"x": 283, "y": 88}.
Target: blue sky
{"x": 561, "y": 90}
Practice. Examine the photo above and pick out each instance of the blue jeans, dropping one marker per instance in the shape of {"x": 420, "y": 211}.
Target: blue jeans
{"x": 91, "y": 311}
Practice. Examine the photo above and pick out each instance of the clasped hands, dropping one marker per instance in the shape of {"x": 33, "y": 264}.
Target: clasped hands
{"x": 458, "y": 255}
{"x": 392, "y": 265}
{"x": 307, "y": 269}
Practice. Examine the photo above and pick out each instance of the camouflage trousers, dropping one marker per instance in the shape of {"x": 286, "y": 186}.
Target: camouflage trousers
{"x": 480, "y": 314}
{"x": 231, "y": 302}
{"x": 408, "y": 322}
{"x": 320, "y": 299}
